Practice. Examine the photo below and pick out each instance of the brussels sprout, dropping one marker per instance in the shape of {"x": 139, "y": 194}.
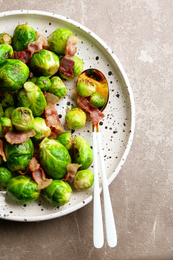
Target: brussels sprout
{"x": 81, "y": 152}
{"x": 41, "y": 129}
{"x": 97, "y": 100}
{"x": 13, "y": 74}
{"x": 8, "y": 112}
{"x": 22, "y": 189}
{"x": 58, "y": 39}
{"x": 54, "y": 158}
{"x": 6, "y": 51}
{"x": 83, "y": 180}
{"x": 5, "y": 38}
{"x": 22, "y": 36}
{"x": 65, "y": 139}
{"x": 6, "y": 124}
{"x": 44, "y": 63}
{"x": 58, "y": 87}
{"x": 1, "y": 131}
{"x": 18, "y": 155}
{"x": 22, "y": 119}
{"x": 5, "y": 176}
{"x": 77, "y": 69}
{"x": 85, "y": 87}
{"x": 33, "y": 79}
{"x": 57, "y": 193}
{"x": 9, "y": 98}
{"x": 32, "y": 97}
{"x": 75, "y": 118}
{"x": 1, "y": 110}
{"x": 43, "y": 83}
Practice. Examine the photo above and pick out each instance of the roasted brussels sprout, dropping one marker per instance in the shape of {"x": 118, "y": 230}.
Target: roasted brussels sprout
{"x": 58, "y": 39}
{"x": 5, "y": 38}
{"x": 9, "y": 98}
{"x": 77, "y": 69}
{"x": 22, "y": 119}
{"x": 13, "y": 74}
{"x": 58, "y": 87}
{"x": 83, "y": 180}
{"x": 85, "y": 87}
{"x": 54, "y": 158}
{"x": 6, "y": 125}
{"x": 18, "y": 155}
{"x": 75, "y": 118}
{"x": 32, "y": 97}
{"x": 22, "y": 189}
{"x": 81, "y": 152}
{"x": 65, "y": 139}
{"x": 6, "y": 51}
{"x": 44, "y": 63}
{"x": 41, "y": 129}
{"x": 1, "y": 110}
{"x": 5, "y": 176}
{"x": 43, "y": 83}
{"x": 57, "y": 193}
{"x": 97, "y": 100}
{"x": 8, "y": 112}
{"x": 22, "y": 36}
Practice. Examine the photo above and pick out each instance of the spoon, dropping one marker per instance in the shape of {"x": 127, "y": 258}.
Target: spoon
{"x": 102, "y": 88}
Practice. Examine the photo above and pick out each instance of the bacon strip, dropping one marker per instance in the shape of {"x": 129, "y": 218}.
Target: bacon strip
{"x": 71, "y": 45}
{"x": 33, "y": 165}
{"x": 39, "y": 177}
{"x": 71, "y": 171}
{"x": 2, "y": 151}
{"x": 18, "y": 138}
{"x": 95, "y": 113}
{"x": 53, "y": 121}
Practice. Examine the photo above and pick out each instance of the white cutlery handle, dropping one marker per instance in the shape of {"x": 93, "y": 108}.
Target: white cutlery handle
{"x": 98, "y": 236}
{"x": 109, "y": 217}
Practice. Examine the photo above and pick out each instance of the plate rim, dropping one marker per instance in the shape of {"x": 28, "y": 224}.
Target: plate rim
{"x": 132, "y": 107}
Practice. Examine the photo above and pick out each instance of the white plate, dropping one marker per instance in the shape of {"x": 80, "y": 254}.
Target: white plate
{"x": 117, "y": 128}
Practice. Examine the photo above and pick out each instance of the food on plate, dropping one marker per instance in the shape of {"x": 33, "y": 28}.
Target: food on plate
{"x": 41, "y": 129}
{"x": 85, "y": 87}
{"x": 97, "y": 100}
{"x": 6, "y": 52}
{"x": 75, "y": 118}
{"x": 65, "y": 139}
{"x": 23, "y": 189}
{"x": 5, "y": 176}
{"x": 5, "y": 38}
{"x": 58, "y": 87}
{"x": 83, "y": 180}
{"x": 57, "y": 193}
{"x": 81, "y": 152}
{"x": 22, "y": 119}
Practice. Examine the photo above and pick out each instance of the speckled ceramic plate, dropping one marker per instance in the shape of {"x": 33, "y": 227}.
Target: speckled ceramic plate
{"x": 117, "y": 128}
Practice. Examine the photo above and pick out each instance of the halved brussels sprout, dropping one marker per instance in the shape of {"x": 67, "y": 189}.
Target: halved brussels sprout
{"x": 97, "y": 100}
{"x": 22, "y": 189}
{"x": 58, "y": 87}
{"x": 43, "y": 83}
{"x": 54, "y": 158}
{"x": 6, "y": 124}
{"x": 22, "y": 36}
{"x": 6, "y": 51}
{"x": 13, "y": 74}
{"x": 8, "y": 112}
{"x": 75, "y": 118}
{"x": 58, "y": 39}
{"x": 22, "y": 119}
{"x": 32, "y": 97}
{"x": 44, "y": 63}
{"x": 85, "y": 87}
{"x": 9, "y": 98}
{"x": 81, "y": 152}
{"x": 1, "y": 110}
{"x": 65, "y": 139}
{"x": 41, "y": 129}
{"x": 77, "y": 69}
{"x": 5, "y": 176}
{"x": 5, "y": 38}
{"x": 83, "y": 180}
{"x": 18, "y": 155}
{"x": 57, "y": 193}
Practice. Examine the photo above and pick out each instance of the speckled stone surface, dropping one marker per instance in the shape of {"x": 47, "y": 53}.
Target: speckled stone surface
{"x": 140, "y": 34}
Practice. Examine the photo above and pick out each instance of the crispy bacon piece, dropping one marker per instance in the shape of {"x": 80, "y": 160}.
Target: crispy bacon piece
{"x": 18, "y": 138}
{"x": 52, "y": 120}
{"x": 71, "y": 45}
{"x": 95, "y": 113}
{"x": 39, "y": 177}
{"x": 2, "y": 151}
{"x": 71, "y": 171}
{"x": 67, "y": 65}
{"x": 33, "y": 165}
{"x": 24, "y": 56}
